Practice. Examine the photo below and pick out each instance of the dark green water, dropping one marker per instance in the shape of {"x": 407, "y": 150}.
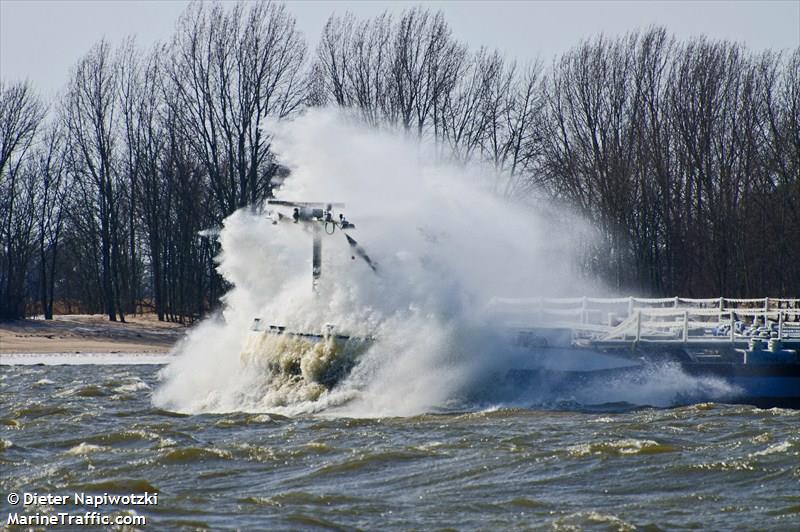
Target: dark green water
{"x": 93, "y": 429}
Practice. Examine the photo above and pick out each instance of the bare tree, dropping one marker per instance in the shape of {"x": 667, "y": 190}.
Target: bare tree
{"x": 352, "y": 66}
{"x": 590, "y": 142}
{"x": 231, "y": 69}
{"x": 51, "y": 203}
{"x": 463, "y": 123}
{"x": 513, "y": 112}
{"x": 21, "y": 113}
{"x": 424, "y": 65}
{"x": 92, "y": 115}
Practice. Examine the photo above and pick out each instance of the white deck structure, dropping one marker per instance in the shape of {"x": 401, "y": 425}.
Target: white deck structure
{"x": 629, "y": 320}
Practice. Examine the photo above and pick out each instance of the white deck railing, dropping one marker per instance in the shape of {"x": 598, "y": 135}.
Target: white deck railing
{"x": 661, "y": 319}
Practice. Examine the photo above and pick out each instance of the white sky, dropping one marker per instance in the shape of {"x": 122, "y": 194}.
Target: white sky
{"x": 42, "y": 39}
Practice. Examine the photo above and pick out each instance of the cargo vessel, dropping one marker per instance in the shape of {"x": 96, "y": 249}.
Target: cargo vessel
{"x": 752, "y": 345}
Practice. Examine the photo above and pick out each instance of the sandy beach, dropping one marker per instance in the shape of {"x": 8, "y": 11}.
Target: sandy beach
{"x": 86, "y": 334}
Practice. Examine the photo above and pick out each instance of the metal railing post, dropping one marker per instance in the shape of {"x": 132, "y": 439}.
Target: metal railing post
{"x": 638, "y": 325}
{"x": 766, "y": 310}
{"x": 583, "y": 311}
{"x": 685, "y": 326}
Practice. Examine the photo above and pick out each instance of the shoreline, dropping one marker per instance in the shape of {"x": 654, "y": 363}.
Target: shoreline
{"x": 116, "y": 358}
{"x": 80, "y": 334}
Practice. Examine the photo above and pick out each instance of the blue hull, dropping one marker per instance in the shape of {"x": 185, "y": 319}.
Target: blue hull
{"x": 761, "y": 385}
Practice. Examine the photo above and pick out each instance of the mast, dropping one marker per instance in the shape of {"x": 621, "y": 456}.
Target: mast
{"x": 316, "y": 258}
{"x": 320, "y": 217}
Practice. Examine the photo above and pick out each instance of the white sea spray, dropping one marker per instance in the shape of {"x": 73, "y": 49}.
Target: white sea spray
{"x": 445, "y": 245}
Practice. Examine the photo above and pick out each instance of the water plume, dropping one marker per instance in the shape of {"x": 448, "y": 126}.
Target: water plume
{"x": 444, "y": 243}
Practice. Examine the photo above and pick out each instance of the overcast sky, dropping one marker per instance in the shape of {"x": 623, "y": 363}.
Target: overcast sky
{"x": 42, "y": 39}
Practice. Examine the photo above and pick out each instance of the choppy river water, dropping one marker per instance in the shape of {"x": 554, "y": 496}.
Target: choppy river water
{"x": 92, "y": 429}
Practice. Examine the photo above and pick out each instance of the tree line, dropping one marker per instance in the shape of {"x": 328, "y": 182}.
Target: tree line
{"x": 683, "y": 155}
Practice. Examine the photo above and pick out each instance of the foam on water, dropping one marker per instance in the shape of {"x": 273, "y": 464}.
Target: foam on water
{"x": 445, "y": 245}
{"x": 724, "y": 466}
